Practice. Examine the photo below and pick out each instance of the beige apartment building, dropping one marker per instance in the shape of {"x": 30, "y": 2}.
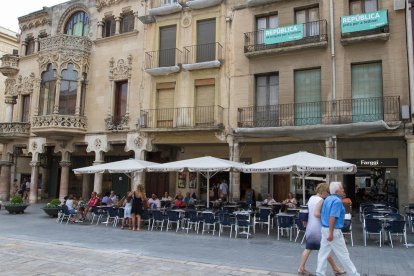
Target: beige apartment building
{"x": 246, "y": 80}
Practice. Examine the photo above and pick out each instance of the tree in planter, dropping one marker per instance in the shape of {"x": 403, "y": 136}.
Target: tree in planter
{"x": 16, "y": 205}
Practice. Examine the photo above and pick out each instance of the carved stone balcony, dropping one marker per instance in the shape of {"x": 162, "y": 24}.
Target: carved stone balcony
{"x": 77, "y": 44}
{"x": 60, "y": 125}
{"x": 14, "y": 131}
{"x": 201, "y": 4}
{"x": 9, "y": 65}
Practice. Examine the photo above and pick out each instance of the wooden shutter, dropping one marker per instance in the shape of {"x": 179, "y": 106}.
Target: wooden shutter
{"x": 204, "y": 111}
{"x": 165, "y": 108}
{"x": 206, "y": 37}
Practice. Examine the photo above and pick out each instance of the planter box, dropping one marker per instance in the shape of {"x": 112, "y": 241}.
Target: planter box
{"x": 52, "y": 212}
{"x": 15, "y": 209}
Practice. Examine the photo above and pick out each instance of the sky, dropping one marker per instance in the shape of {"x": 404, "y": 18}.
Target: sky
{"x": 11, "y": 10}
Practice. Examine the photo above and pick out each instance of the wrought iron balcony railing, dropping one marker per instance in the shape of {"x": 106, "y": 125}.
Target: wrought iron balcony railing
{"x": 163, "y": 58}
{"x": 182, "y": 118}
{"x": 325, "y": 112}
{"x": 203, "y": 53}
{"x": 315, "y": 31}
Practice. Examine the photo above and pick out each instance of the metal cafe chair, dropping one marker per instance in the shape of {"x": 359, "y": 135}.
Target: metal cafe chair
{"x": 396, "y": 228}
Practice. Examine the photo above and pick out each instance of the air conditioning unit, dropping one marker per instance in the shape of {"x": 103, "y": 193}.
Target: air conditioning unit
{"x": 399, "y": 5}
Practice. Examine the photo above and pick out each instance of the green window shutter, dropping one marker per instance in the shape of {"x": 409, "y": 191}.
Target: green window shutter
{"x": 367, "y": 94}
{"x": 308, "y": 97}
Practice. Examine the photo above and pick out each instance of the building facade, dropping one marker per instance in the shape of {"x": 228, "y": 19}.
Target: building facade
{"x": 245, "y": 80}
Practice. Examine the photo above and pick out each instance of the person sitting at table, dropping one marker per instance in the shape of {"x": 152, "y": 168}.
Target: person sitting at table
{"x": 166, "y": 197}
{"x": 93, "y": 201}
{"x": 154, "y": 202}
{"x": 187, "y": 198}
{"x": 290, "y": 201}
{"x": 71, "y": 203}
{"x": 269, "y": 200}
{"x": 178, "y": 195}
{"x": 106, "y": 200}
{"x": 113, "y": 197}
{"x": 179, "y": 202}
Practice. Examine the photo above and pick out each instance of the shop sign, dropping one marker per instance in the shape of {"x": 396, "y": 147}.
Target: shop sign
{"x": 374, "y": 162}
{"x": 364, "y": 21}
{"x": 283, "y": 34}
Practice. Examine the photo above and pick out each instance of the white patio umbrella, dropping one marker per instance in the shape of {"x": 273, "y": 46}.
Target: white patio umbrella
{"x": 302, "y": 164}
{"x": 208, "y": 166}
{"x": 123, "y": 166}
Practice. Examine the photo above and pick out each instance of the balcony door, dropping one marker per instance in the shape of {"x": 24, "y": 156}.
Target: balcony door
{"x": 367, "y": 94}
{"x": 263, "y": 23}
{"x": 309, "y": 17}
{"x": 204, "y": 111}
{"x": 308, "y": 97}
{"x": 206, "y": 39}
{"x": 167, "y": 46}
{"x": 120, "y": 105}
{"x": 362, "y": 6}
{"x": 266, "y": 111}
{"x": 25, "y": 109}
{"x": 165, "y": 108}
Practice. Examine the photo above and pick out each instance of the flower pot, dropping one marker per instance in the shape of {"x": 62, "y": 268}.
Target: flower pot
{"x": 17, "y": 209}
{"x": 51, "y": 212}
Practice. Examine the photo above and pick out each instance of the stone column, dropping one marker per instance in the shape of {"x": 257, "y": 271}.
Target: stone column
{"x": 24, "y": 44}
{"x": 36, "y": 45}
{"x": 10, "y": 102}
{"x": 5, "y": 180}
{"x": 331, "y": 152}
{"x": 57, "y": 95}
{"x": 136, "y": 20}
{"x": 117, "y": 25}
{"x": 410, "y": 170}
{"x": 34, "y": 181}
{"x": 64, "y": 179}
{"x": 45, "y": 180}
{"x": 100, "y": 29}
{"x": 78, "y": 97}
{"x": 235, "y": 177}
{"x": 86, "y": 186}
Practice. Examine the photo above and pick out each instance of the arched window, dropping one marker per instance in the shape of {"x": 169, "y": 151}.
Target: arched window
{"x": 47, "y": 91}
{"x": 68, "y": 89}
{"x": 78, "y": 24}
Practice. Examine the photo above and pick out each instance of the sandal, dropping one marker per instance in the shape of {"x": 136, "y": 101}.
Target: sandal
{"x": 337, "y": 273}
{"x": 304, "y": 273}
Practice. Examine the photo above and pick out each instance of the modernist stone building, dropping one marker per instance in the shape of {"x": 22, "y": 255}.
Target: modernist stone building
{"x": 245, "y": 80}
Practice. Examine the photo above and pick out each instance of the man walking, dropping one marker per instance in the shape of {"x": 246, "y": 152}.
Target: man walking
{"x": 332, "y": 218}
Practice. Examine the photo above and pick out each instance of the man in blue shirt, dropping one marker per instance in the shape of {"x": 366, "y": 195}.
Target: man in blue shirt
{"x": 332, "y": 218}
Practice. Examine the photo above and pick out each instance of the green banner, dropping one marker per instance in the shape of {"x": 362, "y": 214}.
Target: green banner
{"x": 364, "y": 21}
{"x": 283, "y": 34}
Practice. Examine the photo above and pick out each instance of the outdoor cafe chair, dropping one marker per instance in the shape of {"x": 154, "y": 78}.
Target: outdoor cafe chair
{"x": 263, "y": 217}
{"x": 112, "y": 213}
{"x": 396, "y": 228}
{"x": 99, "y": 212}
{"x": 300, "y": 226}
{"x": 146, "y": 218}
{"x": 347, "y": 230}
{"x": 285, "y": 222}
{"x": 192, "y": 219}
{"x": 65, "y": 214}
{"x": 226, "y": 220}
{"x": 119, "y": 215}
{"x": 372, "y": 226}
{"x": 243, "y": 223}
{"x": 208, "y": 220}
{"x": 173, "y": 217}
{"x": 158, "y": 219}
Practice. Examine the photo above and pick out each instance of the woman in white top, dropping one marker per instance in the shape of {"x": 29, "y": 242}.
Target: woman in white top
{"x": 127, "y": 211}
{"x": 313, "y": 230}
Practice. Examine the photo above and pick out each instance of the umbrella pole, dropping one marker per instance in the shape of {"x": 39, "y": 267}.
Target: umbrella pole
{"x": 208, "y": 190}
{"x": 303, "y": 189}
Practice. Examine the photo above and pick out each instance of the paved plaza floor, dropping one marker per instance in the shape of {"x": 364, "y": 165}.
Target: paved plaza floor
{"x": 34, "y": 244}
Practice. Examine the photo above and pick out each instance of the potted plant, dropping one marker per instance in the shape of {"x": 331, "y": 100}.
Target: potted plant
{"x": 52, "y": 208}
{"x": 16, "y": 205}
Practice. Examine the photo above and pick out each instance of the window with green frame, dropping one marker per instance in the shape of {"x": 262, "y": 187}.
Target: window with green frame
{"x": 308, "y": 97}
{"x": 47, "y": 91}
{"x": 367, "y": 94}
{"x": 78, "y": 24}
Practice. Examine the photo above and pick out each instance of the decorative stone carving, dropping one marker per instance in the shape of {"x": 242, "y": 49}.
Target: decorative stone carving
{"x": 25, "y": 85}
{"x": 63, "y": 49}
{"x": 137, "y": 142}
{"x": 65, "y": 164}
{"x": 10, "y": 61}
{"x": 60, "y": 121}
{"x": 122, "y": 70}
{"x": 97, "y": 143}
{"x": 14, "y": 129}
{"x": 9, "y": 100}
{"x": 34, "y": 163}
{"x": 36, "y": 146}
{"x": 186, "y": 21}
{"x": 122, "y": 125}
{"x": 10, "y": 87}
{"x": 106, "y": 3}
{"x": 34, "y": 20}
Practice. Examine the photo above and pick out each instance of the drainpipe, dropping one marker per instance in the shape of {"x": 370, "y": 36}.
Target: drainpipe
{"x": 332, "y": 35}
{"x": 410, "y": 52}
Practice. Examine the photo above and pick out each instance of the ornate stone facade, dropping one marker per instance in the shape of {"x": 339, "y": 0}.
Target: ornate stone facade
{"x": 121, "y": 70}
{"x": 106, "y": 3}
{"x": 60, "y": 121}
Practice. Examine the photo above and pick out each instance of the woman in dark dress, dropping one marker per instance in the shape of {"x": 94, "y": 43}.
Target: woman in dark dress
{"x": 137, "y": 207}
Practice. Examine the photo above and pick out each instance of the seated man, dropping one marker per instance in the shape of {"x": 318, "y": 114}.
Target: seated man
{"x": 106, "y": 200}
{"x": 269, "y": 200}
{"x": 154, "y": 202}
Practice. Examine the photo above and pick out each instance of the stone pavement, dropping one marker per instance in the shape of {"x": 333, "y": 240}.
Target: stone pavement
{"x": 34, "y": 244}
